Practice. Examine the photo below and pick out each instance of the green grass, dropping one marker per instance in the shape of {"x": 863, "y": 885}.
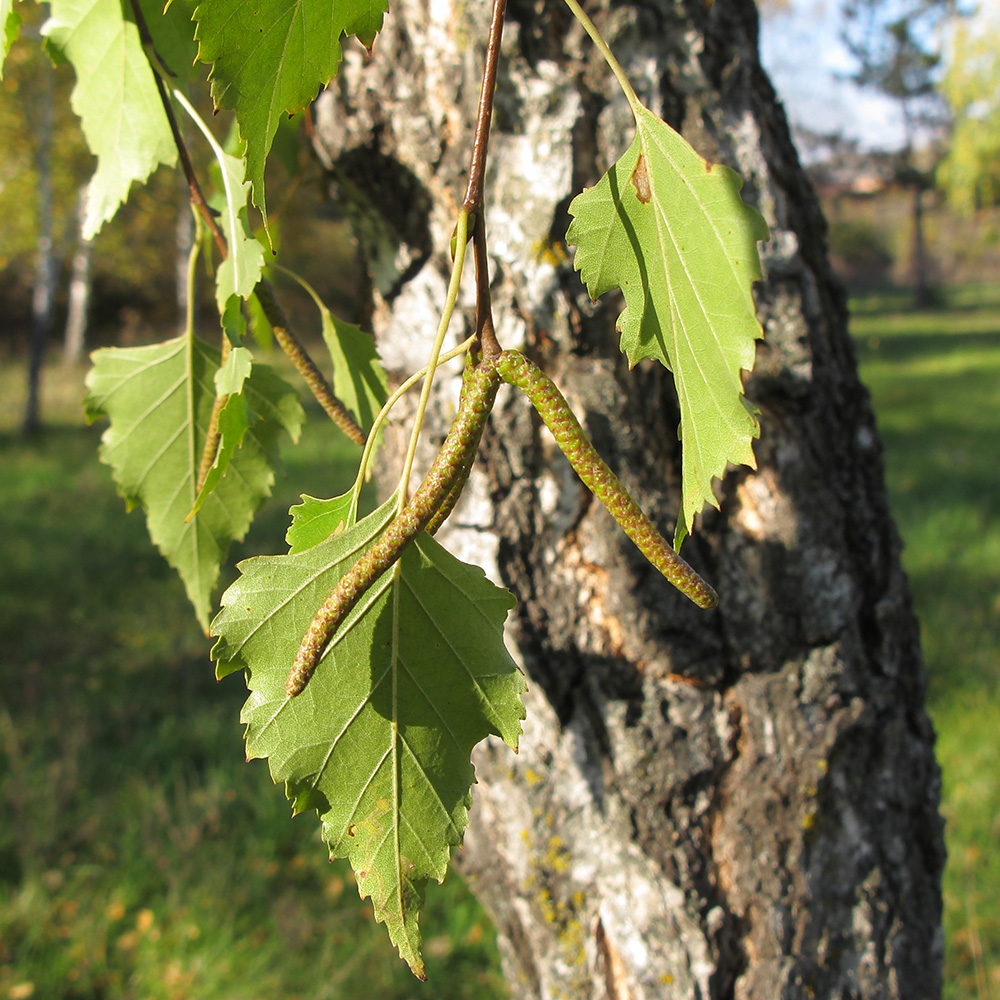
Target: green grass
{"x": 140, "y": 856}
{"x": 935, "y": 382}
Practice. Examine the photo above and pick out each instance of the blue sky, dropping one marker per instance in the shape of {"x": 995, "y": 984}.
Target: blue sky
{"x": 802, "y": 52}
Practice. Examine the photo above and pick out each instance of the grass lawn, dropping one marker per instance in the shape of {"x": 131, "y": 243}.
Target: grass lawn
{"x": 935, "y": 381}
{"x": 139, "y": 855}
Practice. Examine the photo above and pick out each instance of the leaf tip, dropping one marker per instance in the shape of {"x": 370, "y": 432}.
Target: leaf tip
{"x": 416, "y": 964}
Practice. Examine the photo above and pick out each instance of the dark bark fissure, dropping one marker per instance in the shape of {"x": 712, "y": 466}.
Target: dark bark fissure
{"x": 737, "y": 804}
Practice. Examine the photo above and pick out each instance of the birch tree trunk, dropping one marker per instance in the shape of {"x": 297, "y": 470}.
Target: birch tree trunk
{"x": 738, "y": 804}
{"x": 44, "y": 288}
{"x": 79, "y": 290}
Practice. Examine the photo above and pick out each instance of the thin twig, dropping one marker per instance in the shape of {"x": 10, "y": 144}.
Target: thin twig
{"x": 158, "y": 66}
{"x": 283, "y": 334}
{"x": 304, "y": 364}
{"x": 485, "y": 329}
{"x": 454, "y": 283}
{"x": 197, "y": 195}
{"x": 382, "y": 415}
{"x": 473, "y": 202}
{"x": 609, "y": 57}
{"x": 477, "y": 169}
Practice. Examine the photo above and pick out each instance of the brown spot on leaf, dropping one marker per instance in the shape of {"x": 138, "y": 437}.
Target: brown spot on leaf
{"x": 640, "y": 180}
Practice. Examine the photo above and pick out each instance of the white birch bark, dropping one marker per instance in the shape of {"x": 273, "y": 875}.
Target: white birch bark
{"x": 741, "y": 804}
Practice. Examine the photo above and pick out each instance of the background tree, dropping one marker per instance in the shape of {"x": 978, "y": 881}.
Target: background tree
{"x": 44, "y": 160}
{"x": 970, "y": 171}
{"x": 738, "y": 804}
{"x": 895, "y": 47}
{"x": 44, "y": 287}
{"x": 79, "y": 291}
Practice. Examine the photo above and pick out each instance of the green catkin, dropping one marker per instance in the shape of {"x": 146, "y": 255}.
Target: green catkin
{"x": 454, "y": 459}
{"x": 470, "y": 450}
{"x": 599, "y": 479}
{"x": 304, "y": 364}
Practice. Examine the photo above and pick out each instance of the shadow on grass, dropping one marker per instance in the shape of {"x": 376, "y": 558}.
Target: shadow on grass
{"x": 897, "y": 347}
{"x": 900, "y": 300}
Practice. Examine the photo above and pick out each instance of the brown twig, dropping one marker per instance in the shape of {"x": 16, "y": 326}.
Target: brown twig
{"x": 286, "y": 339}
{"x": 197, "y": 195}
{"x": 477, "y": 168}
{"x": 158, "y": 66}
{"x": 304, "y": 364}
{"x": 473, "y": 202}
{"x": 485, "y": 329}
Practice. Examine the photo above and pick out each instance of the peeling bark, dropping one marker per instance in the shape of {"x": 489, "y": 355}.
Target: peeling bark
{"x": 736, "y": 804}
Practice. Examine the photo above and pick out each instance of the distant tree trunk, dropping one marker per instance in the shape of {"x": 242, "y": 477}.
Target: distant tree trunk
{"x": 43, "y": 294}
{"x": 183, "y": 237}
{"x": 739, "y": 804}
{"x": 79, "y": 290}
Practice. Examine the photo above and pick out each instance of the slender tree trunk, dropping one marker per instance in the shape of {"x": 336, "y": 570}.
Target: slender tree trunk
{"x": 79, "y": 291}
{"x": 737, "y": 804}
{"x": 43, "y": 294}
{"x": 183, "y": 239}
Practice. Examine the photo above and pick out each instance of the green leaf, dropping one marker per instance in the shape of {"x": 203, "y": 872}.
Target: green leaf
{"x": 671, "y": 231}
{"x": 379, "y": 742}
{"x": 314, "y": 520}
{"x": 234, "y": 323}
{"x": 115, "y": 97}
{"x": 159, "y": 401}
{"x": 287, "y": 147}
{"x": 10, "y": 25}
{"x": 239, "y": 273}
{"x": 270, "y": 58}
{"x": 172, "y": 31}
{"x": 260, "y": 325}
{"x": 359, "y": 380}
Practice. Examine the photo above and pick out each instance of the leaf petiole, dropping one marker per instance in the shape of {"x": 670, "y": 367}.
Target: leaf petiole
{"x": 231, "y": 196}
{"x": 609, "y": 57}
{"x": 461, "y": 239}
{"x": 384, "y": 413}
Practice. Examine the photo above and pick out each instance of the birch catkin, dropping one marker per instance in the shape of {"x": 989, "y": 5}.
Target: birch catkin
{"x": 469, "y": 449}
{"x": 452, "y": 463}
{"x": 599, "y": 479}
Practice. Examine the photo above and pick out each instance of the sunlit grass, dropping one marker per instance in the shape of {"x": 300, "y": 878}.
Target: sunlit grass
{"x": 935, "y": 383}
{"x": 140, "y": 856}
